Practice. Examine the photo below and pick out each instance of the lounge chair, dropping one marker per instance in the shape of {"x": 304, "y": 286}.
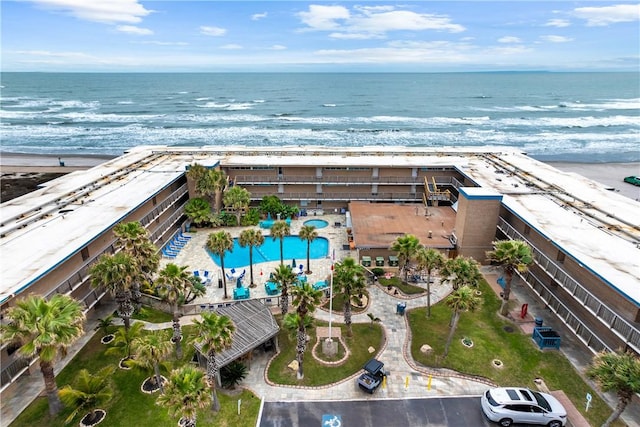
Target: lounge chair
{"x": 229, "y": 276}
{"x": 196, "y": 273}
{"x": 167, "y": 254}
{"x": 184, "y": 236}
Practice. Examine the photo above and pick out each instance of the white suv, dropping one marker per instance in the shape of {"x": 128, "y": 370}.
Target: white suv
{"x": 508, "y": 405}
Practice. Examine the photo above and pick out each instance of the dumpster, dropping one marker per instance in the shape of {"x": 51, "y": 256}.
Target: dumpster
{"x": 400, "y": 308}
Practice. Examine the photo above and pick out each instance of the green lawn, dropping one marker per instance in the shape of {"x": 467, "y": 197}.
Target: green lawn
{"x": 522, "y": 360}
{"x": 405, "y": 288}
{"x": 131, "y": 407}
{"x": 315, "y": 373}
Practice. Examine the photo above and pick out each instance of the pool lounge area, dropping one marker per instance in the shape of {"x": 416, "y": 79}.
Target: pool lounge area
{"x": 197, "y": 258}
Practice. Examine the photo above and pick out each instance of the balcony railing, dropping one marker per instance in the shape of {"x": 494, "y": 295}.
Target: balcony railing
{"x": 622, "y": 328}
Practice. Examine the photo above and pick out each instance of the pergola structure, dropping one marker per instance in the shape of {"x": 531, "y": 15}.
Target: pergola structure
{"x": 255, "y": 325}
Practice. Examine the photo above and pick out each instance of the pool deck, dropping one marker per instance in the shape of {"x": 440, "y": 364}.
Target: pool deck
{"x": 195, "y": 257}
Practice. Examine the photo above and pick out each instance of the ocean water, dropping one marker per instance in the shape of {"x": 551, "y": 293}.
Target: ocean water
{"x": 585, "y": 117}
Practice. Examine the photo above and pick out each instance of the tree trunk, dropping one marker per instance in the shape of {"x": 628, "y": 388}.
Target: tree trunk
{"x": 212, "y": 369}
{"x": 428, "y": 293}
{"x": 308, "y": 257}
{"x": 347, "y": 315}
{"x": 224, "y": 276}
{"x": 454, "y": 325}
{"x": 504, "y": 308}
{"x": 177, "y": 333}
{"x": 620, "y": 407}
{"x": 251, "y": 284}
{"x": 156, "y": 372}
{"x": 55, "y": 404}
{"x": 281, "y": 251}
{"x": 300, "y": 348}
{"x": 284, "y": 301}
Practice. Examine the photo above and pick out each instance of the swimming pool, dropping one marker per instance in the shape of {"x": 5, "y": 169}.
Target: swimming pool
{"x": 293, "y": 246}
{"x": 317, "y": 223}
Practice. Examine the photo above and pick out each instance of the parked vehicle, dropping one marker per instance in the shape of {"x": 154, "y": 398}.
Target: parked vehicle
{"x": 509, "y": 405}
{"x": 635, "y": 180}
{"x": 372, "y": 377}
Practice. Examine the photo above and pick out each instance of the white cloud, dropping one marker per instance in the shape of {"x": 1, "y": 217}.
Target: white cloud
{"x": 558, "y": 23}
{"x": 47, "y": 53}
{"x": 231, "y": 46}
{"x": 324, "y": 17}
{"x": 278, "y": 47}
{"x": 105, "y": 11}
{"x": 354, "y": 36}
{"x": 509, "y": 39}
{"x": 258, "y": 16}
{"x": 212, "y": 31}
{"x": 606, "y": 15}
{"x": 159, "y": 43}
{"x": 556, "y": 39}
{"x": 372, "y": 21}
{"x": 131, "y": 29}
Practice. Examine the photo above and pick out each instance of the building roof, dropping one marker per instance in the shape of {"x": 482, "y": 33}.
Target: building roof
{"x": 598, "y": 228}
{"x": 254, "y": 324}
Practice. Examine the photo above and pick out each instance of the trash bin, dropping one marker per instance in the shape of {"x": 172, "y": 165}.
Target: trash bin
{"x": 400, "y": 308}
{"x": 220, "y": 284}
{"x": 538, "y": 321}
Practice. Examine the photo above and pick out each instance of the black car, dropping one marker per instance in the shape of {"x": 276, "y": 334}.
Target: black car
{"x": 372, "y": 377}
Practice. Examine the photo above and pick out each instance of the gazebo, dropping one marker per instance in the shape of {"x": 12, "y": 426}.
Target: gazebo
{"x": 255, "y": 325}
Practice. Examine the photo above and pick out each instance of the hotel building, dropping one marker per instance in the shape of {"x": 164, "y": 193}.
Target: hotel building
{"x": 585, "y": 238}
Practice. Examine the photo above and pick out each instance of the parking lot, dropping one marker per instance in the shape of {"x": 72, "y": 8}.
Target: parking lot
{"x": 443, "y": 412}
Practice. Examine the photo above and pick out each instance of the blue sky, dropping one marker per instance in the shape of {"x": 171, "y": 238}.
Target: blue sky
{"x": 385, "y": 36}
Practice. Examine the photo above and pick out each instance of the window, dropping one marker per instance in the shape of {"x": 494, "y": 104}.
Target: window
{"x": 154, "y": 201}
{"x": 85, "y": 254}
{"x": 560, "y": 257}
{"x": 527, "y": 230}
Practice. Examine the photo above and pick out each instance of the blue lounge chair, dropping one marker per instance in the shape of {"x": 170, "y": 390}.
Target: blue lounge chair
{"x": 184, "y": 236}
{"x": 168, "y": 254}
{"x": 229, "y": 276}
{"x": 196, "y": 273}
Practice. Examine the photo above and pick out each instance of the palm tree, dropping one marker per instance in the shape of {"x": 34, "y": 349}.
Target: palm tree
{"x": 44, "y": 329}
{"x": 196, "y": 171}
{"x": 279, "y": 230}
{"x": 134, "y": 239}
{"x": 349, "y": 280}
{"x": 429, "y": 259}
{"x": 237, "y": 198}
{"x": 185, "y": 393}
{"x": 619, "y": 373}
{"x": 306, "y": 299}
{"x": 461, "y": 271}
{"x": 373, "y": 319}
{"x": 309, "y": 234}
{"x": 405, "y": 247}
{"x": 89, "y": 391}
{"x": 117, "y": 273}
{"x": 173, "y": 284}
{"x": 251, "y": 237}
{"x": 150, "y": 351}
{"x": 121, "y": 344}
{"x": 512, "y": 255}
{"x": 198, "y": 211}
{"x": 214, "y": 334}
{"x": 284, "y": 277}
{"x": 219, "y": 243}
{"x": 211, "y": 184}
{"x": 462, "y": 299}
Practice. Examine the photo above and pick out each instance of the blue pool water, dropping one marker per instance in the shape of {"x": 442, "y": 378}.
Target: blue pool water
{"x": 293, "y": 246}
{"x": 317, "y": 223}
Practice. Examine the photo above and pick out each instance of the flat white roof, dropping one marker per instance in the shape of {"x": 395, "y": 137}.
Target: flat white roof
{"x": 565, "y": 207}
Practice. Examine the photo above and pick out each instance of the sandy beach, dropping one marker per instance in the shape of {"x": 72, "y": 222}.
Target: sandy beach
{"x": 33, "y": 167}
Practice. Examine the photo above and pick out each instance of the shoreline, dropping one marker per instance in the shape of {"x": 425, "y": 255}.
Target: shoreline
{"x": 609, "y": 174}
